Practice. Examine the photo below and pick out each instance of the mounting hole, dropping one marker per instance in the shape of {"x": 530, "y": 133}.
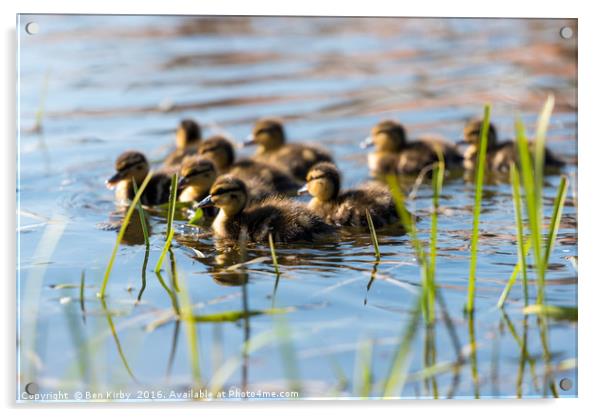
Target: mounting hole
{"x": 32, "y": 388}
{"x": 566, "y": 32}
{"x": 32, "y": 28}
{"x": 565, "y": 384}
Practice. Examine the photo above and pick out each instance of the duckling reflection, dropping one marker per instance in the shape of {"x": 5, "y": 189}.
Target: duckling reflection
{"x": 188, "y": 138}
{"x": 500, "y": 155}
{"x": 134, "y": 232}
{"x": 285, "y": 219}
{"x": 133, "y": 166}
{"x": 294, "y": 158}
{"x": 395, "y": 155}
{"x": 262, "y": 178}
{"x": 347, "y": 208}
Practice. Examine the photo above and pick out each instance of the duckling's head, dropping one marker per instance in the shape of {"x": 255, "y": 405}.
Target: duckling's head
{"x": 268, "y": 134}
{"x": 219, "y": 150}
{"x": 228, "y": 194}
{"x": 188, "y": 134}
{"x": 323, "y": 181}
{"x": 198, "y": 173}
{"x": 130, "y": 165}
{"x": 386, "y": 136}
{"x": 472, "y": 133}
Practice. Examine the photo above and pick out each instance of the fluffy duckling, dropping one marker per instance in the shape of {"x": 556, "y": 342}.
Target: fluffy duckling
{"x": 285, "y": 219}
{"x": 197, "y": 175}
{"x": 294, "y": 158}
{"x": 347, "y": 208}
{"x": 133, "y": 166}
{"x": 262, "y": 178}
{"x": 500, "y": 155}
{"x": 394, "y": 154}
{"x": 188, "y": 137}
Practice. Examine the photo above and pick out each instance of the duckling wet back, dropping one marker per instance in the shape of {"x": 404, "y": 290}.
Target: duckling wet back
{"x": 250, "y": 248}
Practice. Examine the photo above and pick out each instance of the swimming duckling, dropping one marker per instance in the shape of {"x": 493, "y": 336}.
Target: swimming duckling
{"x": 197, "y": 175}
{"x": 188, "y": 137}
{"x": 293, "y": 158}
{"x": 262, "y": 179}
{"x": 285, "y": 219}
{"x": 133, "y": 166}
{"x": 500, "y": 155}
{"x": 394, "y": 154}
{"x": 347, "y": 208}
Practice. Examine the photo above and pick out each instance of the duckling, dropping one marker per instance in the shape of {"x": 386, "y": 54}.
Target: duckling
{"x": 285, "y": 219}
{"x": 188, "y": 137}
{"x": 347, "y": 208}
{"x": 263, "y": 179}
{"x": 500, "y": 155}
{"x": 293, "y": 158}
{"x": 133, "y": 166}
{"x": 394, "y": 154}
{"x": 197, "y": 175}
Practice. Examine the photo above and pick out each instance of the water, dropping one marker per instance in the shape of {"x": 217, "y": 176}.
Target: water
{"x": 115, "y": 83}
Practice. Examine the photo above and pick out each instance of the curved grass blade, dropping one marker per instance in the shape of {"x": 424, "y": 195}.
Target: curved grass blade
{"x": 82, "y": 302}
{"x": 187, "y": 316}
{"x": 540, "y": 145}
{"x": 170, "y": 217}
{"x": 477, "y": 209}
{"x": 555, "y": 220}
{"x": 512, "y": 280}
{"x": 554, "y": 312}
{"x": 142, "y": 216}
{"x": 116, "y": 338}
{"x": 231, "y": 316}
{"x": 398, "y": 370}
{"x": 273, "y": 252}
{"x": 124, "y": 225}
{"x": 373, "y": 235}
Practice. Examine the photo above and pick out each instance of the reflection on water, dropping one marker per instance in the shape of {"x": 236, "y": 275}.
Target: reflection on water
{"x": 117, "y": 83}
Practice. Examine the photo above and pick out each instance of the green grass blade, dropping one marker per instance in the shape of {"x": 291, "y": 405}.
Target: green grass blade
{"x": 170, "y": 217}
{"x": 477, "y": 209}
{"x": 273, "y": 252}
{"x": 474, "y": 363}
{"x": 512, "y": 280}
{"x": 142, "y": 216}
{"x": 363, "y": 368}
{"x": 289, "y": 357}
{"x": 232, "y": 316}
{"x": 196, "y": 217}
{"x": 540, "y": 145}
{"x": 373, "y": 235}
{"x": 187, "y": 316}
{"x": 555, "y": 312}
{"x": 124, "y": 225}
{"x": 555, "y": 220}
{"x": 518, "y": 213}
{"x": 116, "y": 339}
{"x": 398, "y": 370}
{"x": 437, "y": 183}
{"x": 409, "y": 225}
{"x": 82, "y": 301}
{"x": 533, "y": 211}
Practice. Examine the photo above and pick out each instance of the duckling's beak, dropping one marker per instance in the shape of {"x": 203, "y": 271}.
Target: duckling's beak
{"x": 182, "y": 183}
{"x": 112, "y": 182}
{"x": 462, "y": 142}
{"x": 303, "y": 190}
{"x": 366, "y": 143}
{"x": 250, "y": 140}
{"x": 205, "y": 202}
